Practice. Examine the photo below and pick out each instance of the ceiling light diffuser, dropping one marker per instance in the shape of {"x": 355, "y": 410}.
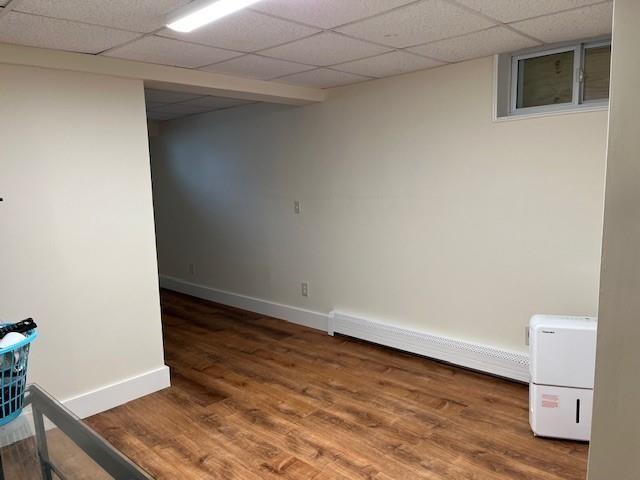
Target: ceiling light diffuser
{"x": 201, "y": 12}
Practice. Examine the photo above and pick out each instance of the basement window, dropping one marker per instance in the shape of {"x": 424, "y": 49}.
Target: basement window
{"x": 563, "y": 78}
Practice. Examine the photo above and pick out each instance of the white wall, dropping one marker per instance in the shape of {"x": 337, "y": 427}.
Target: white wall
{"x": 77, "y": 245}
{"x": 616, "y": 424}
{"x": 418, "y": 209}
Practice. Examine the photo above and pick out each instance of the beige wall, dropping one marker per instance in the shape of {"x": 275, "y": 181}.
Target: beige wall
{"x": 616, "y": 425}
{"x": 77, "y": 249}
{"x": 418, "y": 209}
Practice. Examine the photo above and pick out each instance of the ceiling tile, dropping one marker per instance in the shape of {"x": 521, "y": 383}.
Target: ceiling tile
{"x": 214, "y": 103}
{"x": 154, "y": 104}
{"x": 322, "y": 78}
{"x": 34, "y": 31}
{"x": 324, "y": 49}
{"x": 327, "y": 13}
{"x": 512, "y": 10}
{"x": 255, "y": 66}
{"x": 139, "y": 16}
{"x": 182, "y": 109}
{"x": 167, "y": 96}
{"x": 572, "y": 25}
{"x": 393, "y": 63}
{"x": 171, "y": 52}
{"x": 159, "y": 116}
{"x": 178, "y": 109}
{"x": 418, "y": 23}
{"x": 246, "y": 31}
{"x": 475, "y": 45}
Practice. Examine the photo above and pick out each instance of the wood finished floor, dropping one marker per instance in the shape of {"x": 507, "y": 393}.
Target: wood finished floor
{"x": 258, "y": 398}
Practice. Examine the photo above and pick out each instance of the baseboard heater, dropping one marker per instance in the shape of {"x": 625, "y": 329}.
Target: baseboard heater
{"x": 512, "y": 365}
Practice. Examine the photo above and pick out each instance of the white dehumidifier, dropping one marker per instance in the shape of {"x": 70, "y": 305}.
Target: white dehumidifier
{"x": 562, "y": 356}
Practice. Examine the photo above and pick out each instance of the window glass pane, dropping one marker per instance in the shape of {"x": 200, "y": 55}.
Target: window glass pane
{"x": 597, "y": 61}
{"x": 545, "y": 80}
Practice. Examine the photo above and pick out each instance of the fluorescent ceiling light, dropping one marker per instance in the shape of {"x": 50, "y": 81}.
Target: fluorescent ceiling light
{"x": 201, "y": 12}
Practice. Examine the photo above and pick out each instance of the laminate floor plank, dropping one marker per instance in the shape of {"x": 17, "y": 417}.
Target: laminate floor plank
{"x": 254, "y": 397}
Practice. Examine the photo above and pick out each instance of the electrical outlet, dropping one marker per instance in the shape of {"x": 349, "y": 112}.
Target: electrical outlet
{"x": 297, "y": 208}
{"x": 304, "y": 289}
{"x": 192, "y": 269}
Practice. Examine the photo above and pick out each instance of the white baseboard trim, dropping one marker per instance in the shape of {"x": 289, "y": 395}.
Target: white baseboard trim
{"x": 299, "y": 316}
{"x": 512, "y": 365}
{"x": 91, "y": 403}
{"x": 118, "y": 393}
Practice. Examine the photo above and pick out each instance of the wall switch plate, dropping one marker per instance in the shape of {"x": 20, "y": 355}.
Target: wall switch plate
{"x": 304, "y": 289}
{"x": 297, "y": 208}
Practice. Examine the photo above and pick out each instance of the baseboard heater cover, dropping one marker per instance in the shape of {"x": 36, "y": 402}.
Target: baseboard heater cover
{"x": 513, "y": 365}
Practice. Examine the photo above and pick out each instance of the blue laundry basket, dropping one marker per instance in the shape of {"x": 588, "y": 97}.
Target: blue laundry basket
{"x": 13, "y": 377}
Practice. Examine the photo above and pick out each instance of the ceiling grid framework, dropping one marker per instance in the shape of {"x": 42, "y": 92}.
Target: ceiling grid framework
{"x": 317, "y": 43}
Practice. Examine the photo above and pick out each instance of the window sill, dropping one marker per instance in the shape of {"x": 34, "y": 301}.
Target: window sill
{"x": 550, "y": 113}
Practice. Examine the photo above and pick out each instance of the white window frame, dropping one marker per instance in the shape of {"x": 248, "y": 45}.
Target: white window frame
{"x": 586, "y": 46}
{"x": 577, "y": 100}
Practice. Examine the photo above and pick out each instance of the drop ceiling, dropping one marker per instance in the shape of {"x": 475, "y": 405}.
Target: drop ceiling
{"x": 167, "y": 105}
{"x": 317, "y": 43}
